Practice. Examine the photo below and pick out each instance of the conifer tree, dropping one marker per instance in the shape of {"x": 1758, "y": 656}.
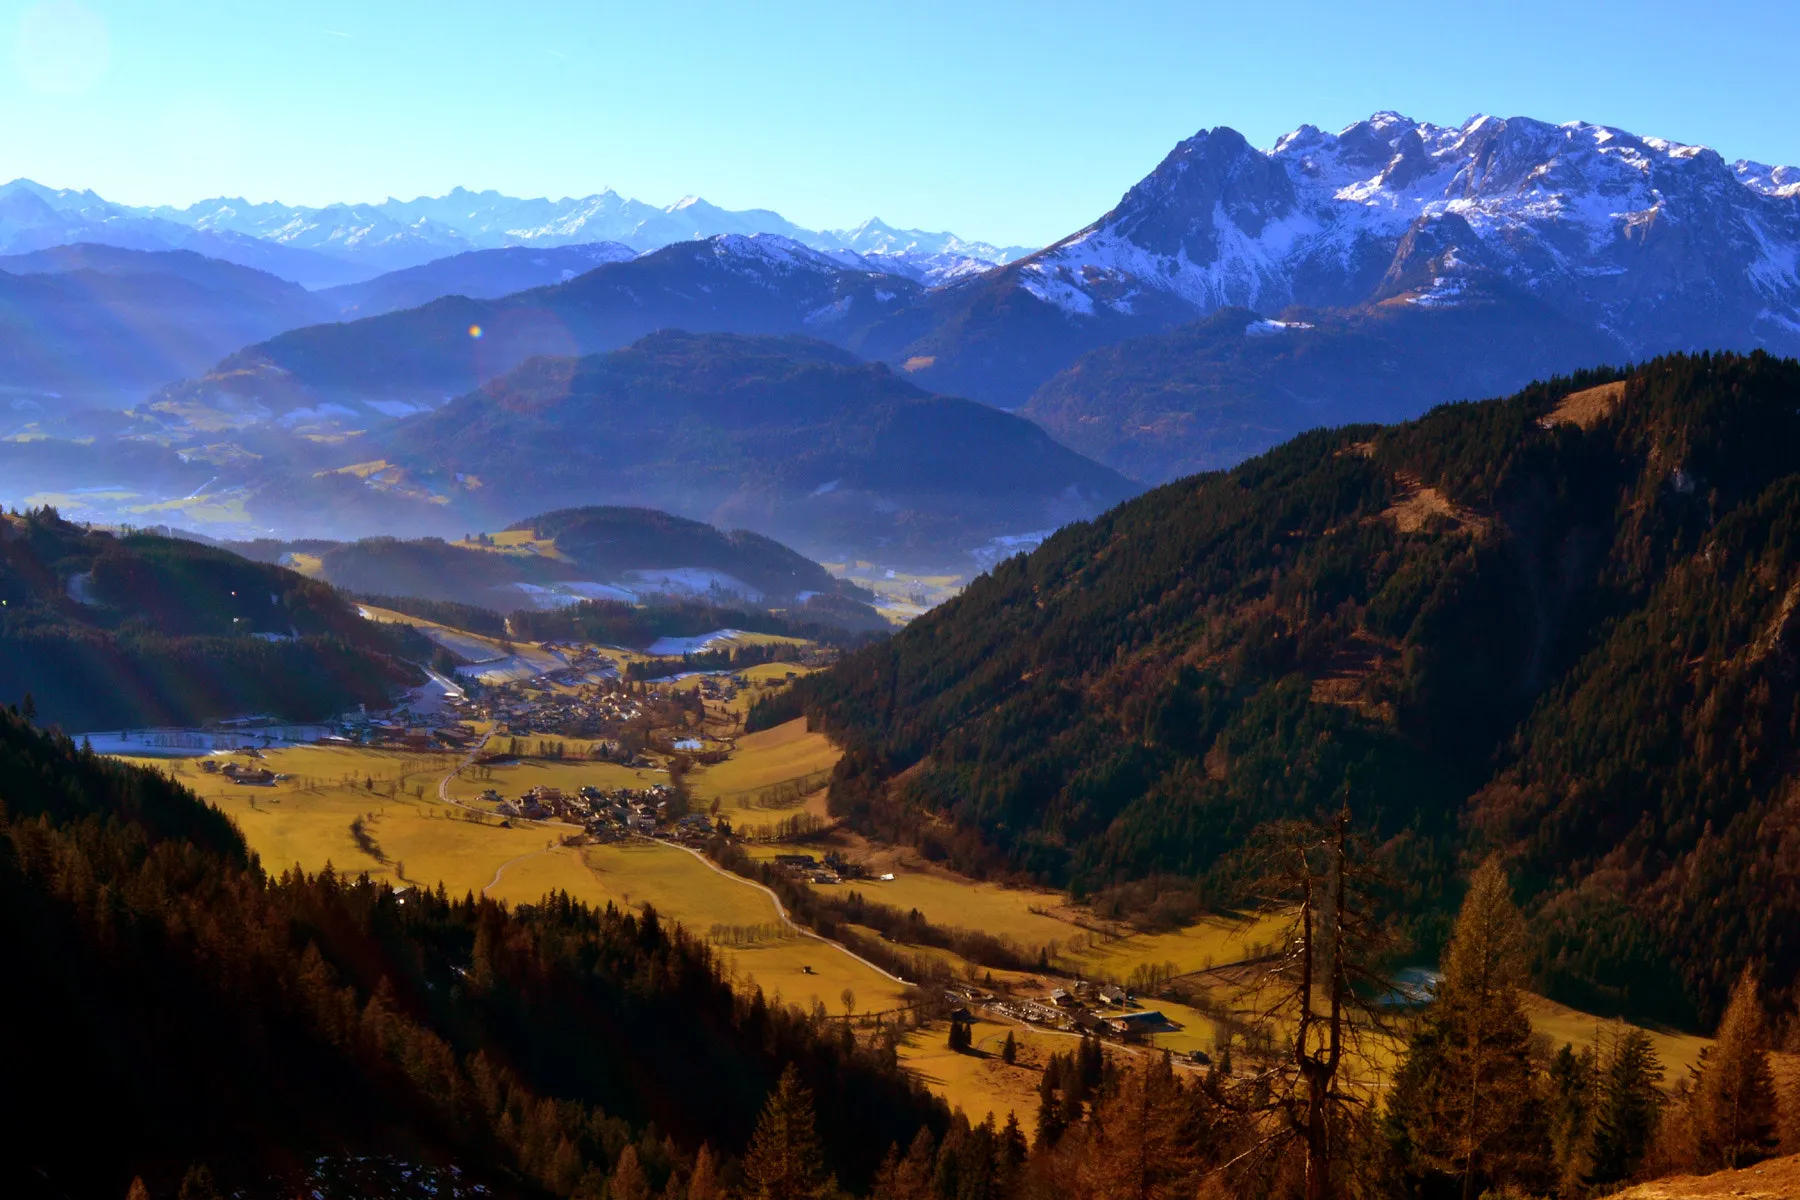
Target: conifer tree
{"x": 1050, "y": 1121}
{"x": 137, "y": 1190}
{"x": 198, "y": 1184}
{"x": 703, "y": 1183}
{"x": 628, "y": 1181}
{"x": 1734, "y": 1096}
{"x": 1573, "y": 1083}
{"x": 908, "y": 1176}
{"x": 784, "y": 1161}
{"x": 1009, "y": 1049}
{"x": 1141, "y": 1143}
{"x": 1012, "y": 1151}
{"x": 1626, "y": 1113}
{"x": 1465, "y": 1099}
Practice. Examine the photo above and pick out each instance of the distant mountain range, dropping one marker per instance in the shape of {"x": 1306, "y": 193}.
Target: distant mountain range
{"x": 345, "y": 243}
{"x": 103, "y": 325}
{"x": 1233, "y": 298}
{"x": 1648, "y": 245}
{"x": 1491, "y": 253}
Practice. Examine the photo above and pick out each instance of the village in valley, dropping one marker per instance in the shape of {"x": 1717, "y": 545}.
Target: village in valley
{"x": 618, "y": 777}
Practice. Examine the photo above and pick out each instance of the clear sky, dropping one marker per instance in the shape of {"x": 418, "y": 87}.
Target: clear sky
{"x": 1008, "y": 121}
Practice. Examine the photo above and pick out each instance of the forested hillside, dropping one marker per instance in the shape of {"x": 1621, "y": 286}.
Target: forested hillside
{"x": 791, "y": 437}
{"x": 207, "y": 1016}
{"x": 1560, "y": 626}
{"x": 134, "y": 629}
{"x": 1211, "y": 393}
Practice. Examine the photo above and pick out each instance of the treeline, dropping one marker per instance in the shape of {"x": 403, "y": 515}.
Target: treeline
{"x": 616, "y": 623}
{"x": 719, "y": 658}
{"x": 139, "y": 629}
{"x": 770, "y": 709}
{"x": 254, "y": 1024}
{"x": 1477, "y": 1107}
{"x": 832, "y": 915}
{"x": 1568, "y": 643}
{"x": 469, "y": 617}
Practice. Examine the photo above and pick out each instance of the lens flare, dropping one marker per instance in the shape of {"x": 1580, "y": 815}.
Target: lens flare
{"x": 475, "y": 332}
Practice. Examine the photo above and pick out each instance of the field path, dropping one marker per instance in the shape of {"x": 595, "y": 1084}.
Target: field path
{"x": 782, "y": 911}
{"x": 468, "y": 759}
{"x": 501, "y": 869}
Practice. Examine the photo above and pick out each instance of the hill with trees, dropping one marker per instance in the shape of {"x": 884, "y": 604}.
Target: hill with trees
{"x": 790, "y": 437}
{"x": 1207, "y": 395}
{"x": 315, "y": 1034}
{"x": 1558, "y": 627}
{"x": 106, "y": 629}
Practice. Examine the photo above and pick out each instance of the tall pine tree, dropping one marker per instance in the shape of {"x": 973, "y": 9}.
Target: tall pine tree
{"x": 1465, "y": 1101}
{"x": 1734, "y": 1096}
{"x": 1630, "y": 1100}
{"x": 784, "y": 1161}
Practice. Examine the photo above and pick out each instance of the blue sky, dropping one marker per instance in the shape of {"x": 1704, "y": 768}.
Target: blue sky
{"x": 1012, "y": 122}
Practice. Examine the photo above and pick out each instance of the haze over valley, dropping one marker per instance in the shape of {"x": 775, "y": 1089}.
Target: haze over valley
{"x": 1281, "y": 685}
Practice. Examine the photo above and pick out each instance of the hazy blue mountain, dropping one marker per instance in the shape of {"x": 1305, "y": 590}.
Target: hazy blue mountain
{"x": 477, "y": 274}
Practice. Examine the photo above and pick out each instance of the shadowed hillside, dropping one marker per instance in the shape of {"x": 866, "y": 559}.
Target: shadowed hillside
{"x": 1560, "y": 626}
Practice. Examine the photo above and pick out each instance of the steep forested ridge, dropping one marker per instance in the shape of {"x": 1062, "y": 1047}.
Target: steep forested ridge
{"x": 1565, "y": 633}
{"x": 168, "y": 1004}
{"x": 135, "y": 629}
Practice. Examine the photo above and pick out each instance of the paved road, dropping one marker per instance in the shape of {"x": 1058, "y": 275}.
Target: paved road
{"x": 783, "y": 912}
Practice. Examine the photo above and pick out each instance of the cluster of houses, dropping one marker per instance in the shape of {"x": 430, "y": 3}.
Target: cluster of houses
{"x": 1099, "y": 1009}
{"x": 607, "y": 815}
{"x": 835, "y": 868}
{"x": 528, "y": 706}
{"x": 249, "y": 776}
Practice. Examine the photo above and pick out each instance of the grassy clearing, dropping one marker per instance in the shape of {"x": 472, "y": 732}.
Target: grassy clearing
{"x": 1561, "y": 1025}
{"x": 949, "y": 900}
{"x": 683, "y": 889}
{"x": 1209, "y": 942}
{"x": 762, "y": 760}
{"x": 306, "y": 820}
{"x": 983, "y": 1082}
{"x": 515, "y": 779}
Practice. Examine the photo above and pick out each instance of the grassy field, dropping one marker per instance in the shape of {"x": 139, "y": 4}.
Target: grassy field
{"x": 305, "y": 820}
{"x": 1211, "y": 941}
{"x": 683, "y": 889}
{"x": 762, "y": 760}
{"x": 515, "y": 779}
{"x": 769, "y": 776}
{"x": 1561, "y": 1025}
{"x": 983, "y": 1083}
{"x": 948, "y": 900}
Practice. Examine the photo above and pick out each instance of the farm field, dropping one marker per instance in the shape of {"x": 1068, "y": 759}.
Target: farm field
{"x": 305, "y": 820}
{"x": 949, "y": 900}
{"x": 762, "y": 760}
{"x": 1678, "y": 1051}
{"x": 683, "y": 889}
{"x": 515, "y": 779}
{"x": 1211, "y": 941}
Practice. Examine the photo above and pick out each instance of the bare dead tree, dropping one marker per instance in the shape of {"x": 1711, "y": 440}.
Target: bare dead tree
{"x": 1319, "y": 995}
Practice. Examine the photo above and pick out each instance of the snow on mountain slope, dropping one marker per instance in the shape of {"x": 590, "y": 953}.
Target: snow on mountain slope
{"x": 401, "y": 233}
{"x": 1661, "y": 244}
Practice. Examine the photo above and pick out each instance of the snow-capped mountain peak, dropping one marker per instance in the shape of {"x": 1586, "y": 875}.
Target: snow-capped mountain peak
{"x": 1638, "y": 235}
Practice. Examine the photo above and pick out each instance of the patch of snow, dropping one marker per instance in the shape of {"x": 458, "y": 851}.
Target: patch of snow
{"x": 674, "y": 647}
{"x": 693, "y": 581}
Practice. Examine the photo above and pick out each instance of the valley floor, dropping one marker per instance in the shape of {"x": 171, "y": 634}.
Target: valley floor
{"x": 421, "y": 818}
